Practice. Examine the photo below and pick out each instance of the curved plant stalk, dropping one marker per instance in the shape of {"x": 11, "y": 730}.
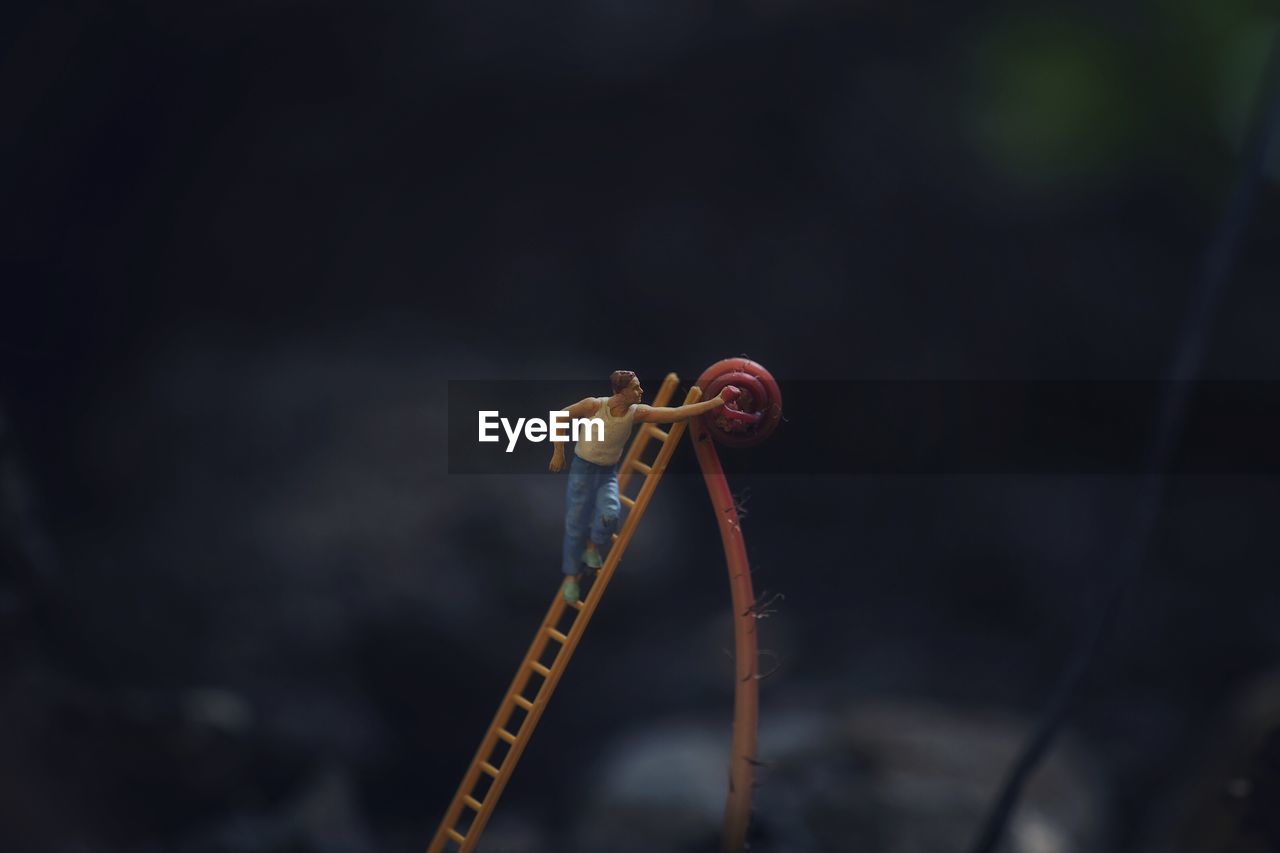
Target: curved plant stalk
{"x": 746, "y": 707}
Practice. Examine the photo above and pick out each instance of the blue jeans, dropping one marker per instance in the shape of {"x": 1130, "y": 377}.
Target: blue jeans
{"x": 591, "y": 506}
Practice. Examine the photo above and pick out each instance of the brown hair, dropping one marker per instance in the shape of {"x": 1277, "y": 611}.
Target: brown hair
{"x": 621, "y": 379}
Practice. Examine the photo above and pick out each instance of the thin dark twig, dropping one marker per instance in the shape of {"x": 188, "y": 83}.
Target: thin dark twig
{"x": 1219, "y": 259}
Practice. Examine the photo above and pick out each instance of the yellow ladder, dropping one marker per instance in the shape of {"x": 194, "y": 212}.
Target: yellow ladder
{"x": 549, "y": 654}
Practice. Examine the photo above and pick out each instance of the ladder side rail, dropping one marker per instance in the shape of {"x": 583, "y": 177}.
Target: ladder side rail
{"x": 641, "y": 441}
{"x": 446, "y": 831}
{"x": 487, "y": 743}
{"x": 574, "y": 635}
{"x": 637, "y": 512}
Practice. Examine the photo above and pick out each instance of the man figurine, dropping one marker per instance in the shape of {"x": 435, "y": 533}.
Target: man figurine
{"x": 591, "y": 501}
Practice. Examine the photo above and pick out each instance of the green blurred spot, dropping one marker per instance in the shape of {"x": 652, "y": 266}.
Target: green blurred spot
{"x": 1243, "y": 66}
{"x": 1053, "y": 101}
{"x": 1058, "y": 99}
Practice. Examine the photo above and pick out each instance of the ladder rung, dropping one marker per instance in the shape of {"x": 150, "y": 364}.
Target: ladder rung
{"x": 522, "y": 702}
{"x": 660, "y": 434}
{"x": 473, "y": 802}
{"x": 626, "y": 501}
{"x": 456, "y": 836}
{"x": 490, "y": 769}
{"x": 539, "y": 668}
{"x": 557, "y": 636}
{"x": 641, "y": 467}
{"x": 506, "y": 735}
{"x": 576, "y": 605}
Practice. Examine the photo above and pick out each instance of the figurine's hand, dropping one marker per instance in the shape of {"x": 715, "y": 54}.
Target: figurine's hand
{"x": 557, "y": 463}
{"x": 730, "y": 393}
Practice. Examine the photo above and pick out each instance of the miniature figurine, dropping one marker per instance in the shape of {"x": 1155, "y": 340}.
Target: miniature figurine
{"x": 591, "y": 500}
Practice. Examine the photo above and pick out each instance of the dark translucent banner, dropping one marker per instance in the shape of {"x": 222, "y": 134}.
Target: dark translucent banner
{"x": 952, "y": 427}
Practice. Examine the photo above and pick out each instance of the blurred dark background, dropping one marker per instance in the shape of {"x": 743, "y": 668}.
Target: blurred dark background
{"x": 245, "y": 607}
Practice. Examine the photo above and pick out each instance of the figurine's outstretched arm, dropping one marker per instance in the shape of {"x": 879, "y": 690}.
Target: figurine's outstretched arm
{"x": 584, "y": 408}
{"x": 674, "y": 414}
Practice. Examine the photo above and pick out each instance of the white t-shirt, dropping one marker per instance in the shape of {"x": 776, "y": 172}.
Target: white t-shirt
{"x": 616, "y": 433}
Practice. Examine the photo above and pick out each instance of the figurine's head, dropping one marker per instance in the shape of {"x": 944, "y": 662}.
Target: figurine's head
{"x": 627, "y": 386}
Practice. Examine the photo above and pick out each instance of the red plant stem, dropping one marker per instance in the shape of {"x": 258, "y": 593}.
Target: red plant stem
{"x": 746, "y": 710}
